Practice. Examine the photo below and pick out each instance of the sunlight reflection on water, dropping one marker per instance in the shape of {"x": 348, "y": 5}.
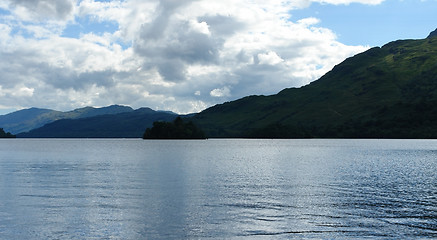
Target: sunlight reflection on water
{"x": 135, "y": 189}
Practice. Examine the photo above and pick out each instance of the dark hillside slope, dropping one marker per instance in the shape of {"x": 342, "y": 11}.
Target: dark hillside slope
{"x": 433, "y": 34}
{"x": 122, "y": 125}
{"x": 388, "y": 92}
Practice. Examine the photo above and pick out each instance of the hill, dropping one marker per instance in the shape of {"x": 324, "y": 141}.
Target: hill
{"x": 4, "y": 134}
{"x": 178, "y": 129}
{"x": 130, "y": 124}
{"x": 387, "y": 92}
{"x": 25, "y": 120}
{"x": 433, "y": 34}
{"x": 28, "y": 119}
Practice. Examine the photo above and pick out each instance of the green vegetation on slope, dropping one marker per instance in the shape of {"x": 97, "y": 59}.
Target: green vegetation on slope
{"x": 388, "y": 92}
{"x": 177, "y": 129}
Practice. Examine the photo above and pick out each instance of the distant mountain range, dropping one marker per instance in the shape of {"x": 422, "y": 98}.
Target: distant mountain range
{"x": 129, "y": 124}
{"x": 28, "y": 119}
{"x": 387, "y": 92}
{"x": 88, "y": 122}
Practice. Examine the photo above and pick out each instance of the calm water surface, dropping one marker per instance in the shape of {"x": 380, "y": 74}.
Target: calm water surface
{"x": 218, "y": 189}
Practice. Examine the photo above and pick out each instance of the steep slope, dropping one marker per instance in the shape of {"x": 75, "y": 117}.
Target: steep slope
{"x": 28, "y": 119}
{"x": 123, "y": 125}
{"x": 387, "y": 92}
{"x": 433, "y": 34}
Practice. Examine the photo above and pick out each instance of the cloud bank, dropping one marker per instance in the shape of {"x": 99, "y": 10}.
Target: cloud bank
{"x": 182, "y": 55}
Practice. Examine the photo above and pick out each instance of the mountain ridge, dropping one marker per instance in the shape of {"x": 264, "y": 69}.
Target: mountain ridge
{"x": 384, "y": 92}
{"x": 433, "y": 34}
{"x": 130, "y": 124}
{"x": 31, "y": 118}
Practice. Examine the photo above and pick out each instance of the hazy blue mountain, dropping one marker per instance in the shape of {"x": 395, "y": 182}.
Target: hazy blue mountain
{"x": 28, "y": 119}
{"x": 91, "y": 111}
{"x": 130, "y": 124}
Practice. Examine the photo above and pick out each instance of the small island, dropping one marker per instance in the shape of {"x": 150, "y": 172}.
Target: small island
{"x": 178, "y": 129}
{"x": 4, "y": 134}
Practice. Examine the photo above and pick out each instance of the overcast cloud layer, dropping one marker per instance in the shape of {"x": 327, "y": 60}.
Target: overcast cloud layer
{"x": 179, "y": 55}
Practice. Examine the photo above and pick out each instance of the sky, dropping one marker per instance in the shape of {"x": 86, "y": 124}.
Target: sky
{"x": 185, "y": 55}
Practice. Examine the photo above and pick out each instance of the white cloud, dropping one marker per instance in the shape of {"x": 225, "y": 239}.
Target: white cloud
{"x": 338, "y": 2}
{"x": 270, "y": 58}
{"x": 40, "y": 10}
{"x": 221, "y": 92}
{"x": 201, "y": 27}
{"x": 308, "y": 21}
{"x": 23, "y": 92}
{"x": 174, "y": 52}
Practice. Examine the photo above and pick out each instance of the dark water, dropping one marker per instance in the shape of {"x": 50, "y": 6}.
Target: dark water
{"x": 218, "y": 189}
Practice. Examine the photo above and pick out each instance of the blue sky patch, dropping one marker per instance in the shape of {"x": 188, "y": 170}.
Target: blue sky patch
{"x": 4, "y": 12}
{"x": 87, "y": 25}
{"x": 374, "y": 25}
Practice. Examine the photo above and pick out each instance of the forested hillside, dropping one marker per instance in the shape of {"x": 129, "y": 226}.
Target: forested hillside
{"x": 387, "y": 92}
